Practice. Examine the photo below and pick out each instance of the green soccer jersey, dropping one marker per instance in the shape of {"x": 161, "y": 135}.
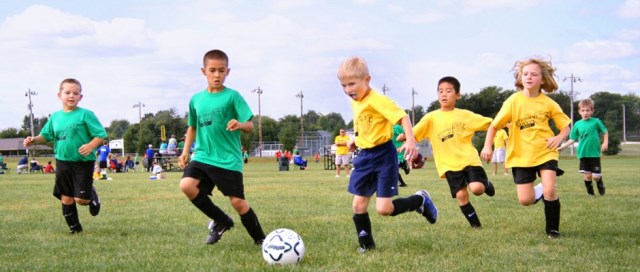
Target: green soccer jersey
{"x": 587, "y": 134}
{"x": 209, "y": 113}
{"x": 70, "y": 130}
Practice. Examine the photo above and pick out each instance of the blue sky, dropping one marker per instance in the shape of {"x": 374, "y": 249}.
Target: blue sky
{"x": 151, "y": 51}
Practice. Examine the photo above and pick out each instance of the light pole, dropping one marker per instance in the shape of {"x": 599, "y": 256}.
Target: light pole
{"x": 385, "y": 89}
{"x": 572, "y": 94}
{"x": 139, "y": 105}
{"x": 29, "y": 93}
{"x": 259, "y": 92}
{"x": 301, "y": 96}
{"x": 413, "y": 107}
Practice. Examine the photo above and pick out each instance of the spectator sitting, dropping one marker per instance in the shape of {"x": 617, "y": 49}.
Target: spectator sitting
{"x": 128, "y": 164}
{"x": 49, "y": 168}
{"x": 23, "y": 164}
{"x": 299, "y": 161}
{"x": 34, "y": 165}
{"x": 163, "y": 148}
{"x": 157, "y": 172}
{"x": 173, "y": 145}
{"x": 96, "y": 173}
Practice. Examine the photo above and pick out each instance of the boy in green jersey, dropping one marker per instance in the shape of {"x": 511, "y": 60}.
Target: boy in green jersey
{"x": 76, "y": 133}
{"x": 217, "y": 116}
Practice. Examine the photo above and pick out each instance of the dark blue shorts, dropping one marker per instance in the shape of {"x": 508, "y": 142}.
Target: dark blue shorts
{"x": 230, "y": 183}
{"x": 375, "y": 170}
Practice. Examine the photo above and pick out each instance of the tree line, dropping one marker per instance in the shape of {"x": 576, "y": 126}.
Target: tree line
{"x": 286, "y": 130}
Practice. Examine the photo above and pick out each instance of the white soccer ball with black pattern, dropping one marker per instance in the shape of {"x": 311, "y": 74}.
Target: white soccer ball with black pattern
{"x": 283, "y": 246}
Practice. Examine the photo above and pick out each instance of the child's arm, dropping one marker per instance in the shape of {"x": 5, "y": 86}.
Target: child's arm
{"x": 566, "y": 144}
{"x": 487, "y": 150}
{"x": 246, "y": 127}
{"x": 190, "y": 136}
{"x": 409, "y": 145}
{"x": 555, "y": 141}
{"x": 34, "y": 140}
{"x": 86, "y": 149}
{"x": 605, "y": 142}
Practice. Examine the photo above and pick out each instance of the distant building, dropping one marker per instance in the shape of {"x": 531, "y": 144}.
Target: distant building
{"x": 14, "y": 147}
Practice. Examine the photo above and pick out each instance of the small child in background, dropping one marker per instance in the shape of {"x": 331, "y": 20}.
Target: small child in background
{"x": 587, "y": 132}
{"x": 500, "y": 151}
{"x": 157, "y": 172}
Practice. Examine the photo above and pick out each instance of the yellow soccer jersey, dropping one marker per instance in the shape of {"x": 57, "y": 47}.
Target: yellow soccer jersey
{"x": 375, "y": 115}
{"x": 450, "y": 134}
{"x": 529, "y": 130}
{"x": 498, "y": 140}
{"x": 342, "y": 149}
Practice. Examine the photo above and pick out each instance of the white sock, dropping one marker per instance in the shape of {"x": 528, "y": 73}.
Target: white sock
{"x": 538, "y": 191}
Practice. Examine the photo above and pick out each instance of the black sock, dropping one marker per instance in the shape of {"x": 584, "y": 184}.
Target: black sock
{"x": 363, "y": 228}
{"x": 204, "y": 204}
{"x": 400, "y": 180}
{"x": 251, "y": 223}
{"x": 589, "y": 185}
{"x": 471, "y": 215}
{"x": 599, "y": 183}
{"x": 406, "y": 204}
{"x": 70, "y": 213}
{"x": 552, "y": 214}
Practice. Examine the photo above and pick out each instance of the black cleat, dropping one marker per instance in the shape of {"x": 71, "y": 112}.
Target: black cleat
{"x": 601, "y": 189}
{"x": 490, "y": 190}
{"x": 362, "y": 249}
{"x": 94, "y": 205}
{"x": 553, "y": 234}
{"x": 217, "y": 229}
{"x": 75, "y": 229}
{"x": 406, "y": 168}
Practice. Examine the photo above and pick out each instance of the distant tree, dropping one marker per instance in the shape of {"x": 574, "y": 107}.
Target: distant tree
{"x": 331, "y": 122}
{"x": 12, "y": 133}
{"x": 38, "y": 123}
{"x": 117, "y": 128}
{"x": 289, "y": 130}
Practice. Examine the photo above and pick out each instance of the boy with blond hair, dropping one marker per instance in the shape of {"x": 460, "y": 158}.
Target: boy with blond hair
{"x": 375, "y": 167}
{"x": 587, "y": 132}
{"x": 76, "y": 133}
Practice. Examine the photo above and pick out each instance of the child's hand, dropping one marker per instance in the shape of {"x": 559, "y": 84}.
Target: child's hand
{"x": 183, "y": 160}
{"x": 28, "y": 141}
{"x": 554, "y": 142}
{"x": 486, "y": 154}
{"x": 85, "y": 150}
{"x": 351, "y": 144}
{"x": 233, "y": 124}
{"x": 604, "y": 147}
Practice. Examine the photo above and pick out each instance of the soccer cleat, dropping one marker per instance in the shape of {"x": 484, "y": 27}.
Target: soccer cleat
{"x": 259, "y": 242}
{"x": 217, "y": 229}
{"x": 428, "y": 208}
{"x": 406, "y": 168}
{"x": 553, "y": 234}
{"x": 337, "y": 176}
{"x": 601, "y": 189}
{"x": 538, "y": 190}
{"x": 76, "y": 229}
{"x": 490, "y": 190}
{"x": 364, "y": 248}
{"x": 94, "y": 205}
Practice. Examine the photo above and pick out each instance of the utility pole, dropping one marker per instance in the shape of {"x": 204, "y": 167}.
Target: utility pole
{"x": 385, "y": 89}
{"x": 139, "y": 106}
{"x": 413, "y": 107}
{"x": 301, "y": 96}
{"x": 29, "y": 93}
{"x": 259, "y": 92}
{"x": 624, "y": 125}
{"x": 572, "y": 94}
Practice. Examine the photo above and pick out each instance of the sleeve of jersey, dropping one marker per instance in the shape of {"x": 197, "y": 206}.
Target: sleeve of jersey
{"x": 603, "y": 129}
{"x": 47, "y": 131}
{"x": 421, "y": 129}
{"x": 504, "y": 115}
{"x": 242, "y": 109}
{"x": 95, "y": 127}
{"x": 479, "y": 122}
{"x": 192, "y": 120}
{"x": 574, "y": 133}
{"x": 559, "y": 118}
{"x": 388, "y": 109}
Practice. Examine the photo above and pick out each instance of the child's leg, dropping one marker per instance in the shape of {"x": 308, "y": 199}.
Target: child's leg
{"x": 588, "y": 182}
{"x": 249, "y": 219}
{"x": 495, "y": 168}
{"x": 599, "y": 183}
{"x": 526, "y": 194}
{"x": 551, "y": 203}
{"x": 189, "y": 187}
{"x": 70, "y": 213}
{"x": 467, "y": 209}
{"x": 506, "y": 170}
{"x": 363, "y": 223}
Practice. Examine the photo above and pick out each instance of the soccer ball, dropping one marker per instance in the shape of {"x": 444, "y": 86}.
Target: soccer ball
{"x": 283, "y": 246}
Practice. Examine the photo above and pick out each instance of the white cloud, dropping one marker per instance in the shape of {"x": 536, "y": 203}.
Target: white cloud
{"x": 599, "y": 50}
{"x": 630, "y": 9}
{"x": 628, "y": 35}
{"x": 475, "y": 6}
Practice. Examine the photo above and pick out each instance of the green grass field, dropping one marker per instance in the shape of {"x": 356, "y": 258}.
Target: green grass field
{"x": 150, "y": 226}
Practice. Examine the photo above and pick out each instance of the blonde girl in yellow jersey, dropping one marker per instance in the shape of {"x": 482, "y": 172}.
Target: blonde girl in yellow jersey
{"x": 532, "y": 145}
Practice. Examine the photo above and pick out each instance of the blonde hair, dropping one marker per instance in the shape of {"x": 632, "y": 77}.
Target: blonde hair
{"x": 70, "y": 81}
{"x": 549, "y": 84}
{"x": 586, "y": 103}
{"x": 353, "y": 67}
